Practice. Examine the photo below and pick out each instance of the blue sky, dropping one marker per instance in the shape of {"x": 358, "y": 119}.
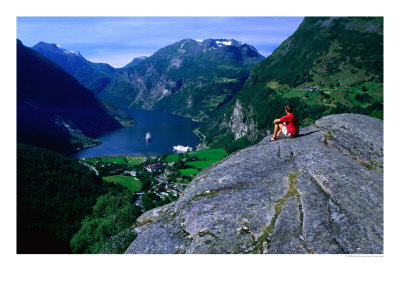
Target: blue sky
{"x": 117, "y": 40}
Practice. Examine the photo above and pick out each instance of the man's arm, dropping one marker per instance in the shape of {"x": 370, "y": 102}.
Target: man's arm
{"x": 285, "y": 119}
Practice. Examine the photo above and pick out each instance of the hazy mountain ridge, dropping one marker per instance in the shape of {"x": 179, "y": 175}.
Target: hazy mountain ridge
{"x": 94, "y": 76}
{"x": 190, "y": 77}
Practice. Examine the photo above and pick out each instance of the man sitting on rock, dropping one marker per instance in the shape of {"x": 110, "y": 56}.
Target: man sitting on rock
{"x": 287, "y": 124}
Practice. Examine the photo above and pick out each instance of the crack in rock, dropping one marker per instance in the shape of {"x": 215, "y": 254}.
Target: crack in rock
{"x": 264, "y": 241}
{"x": 330, "y": 220}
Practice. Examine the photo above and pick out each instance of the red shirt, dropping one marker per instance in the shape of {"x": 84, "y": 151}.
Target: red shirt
{"x": 292, "y": 124}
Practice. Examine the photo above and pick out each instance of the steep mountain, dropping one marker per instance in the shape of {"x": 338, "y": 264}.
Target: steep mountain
{"x": 321, "y": 192}
{"x": 190, "y": 78}
{"x": 54, "y": 110}
{"x": 329, "y": 65}
{"x": 94, "y": 76}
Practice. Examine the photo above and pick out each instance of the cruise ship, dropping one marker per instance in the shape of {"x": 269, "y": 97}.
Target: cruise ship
{"x": 148, "y": 136}
{"x": 181, "y": 148}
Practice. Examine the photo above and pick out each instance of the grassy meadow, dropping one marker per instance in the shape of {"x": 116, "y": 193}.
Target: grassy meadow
{"x": 129, "y": 182}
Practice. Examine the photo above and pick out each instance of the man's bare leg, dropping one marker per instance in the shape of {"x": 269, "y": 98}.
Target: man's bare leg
{"x": 280, "y": 129}
{"x": 277, "y": 130}
{"x": 280, "y": 126}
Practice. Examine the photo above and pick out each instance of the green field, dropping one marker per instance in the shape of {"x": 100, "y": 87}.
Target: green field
{"x": 189, "y": 171}
{"x": 201, "y": 164}
{"x": 206, "y": 158}
{"x": 209, "y": 155}
{"x": 123, "y": 159}
{"x": 213, "y": 155}
{"x": 129, "y": 182}
{"x": 171, "y": 158}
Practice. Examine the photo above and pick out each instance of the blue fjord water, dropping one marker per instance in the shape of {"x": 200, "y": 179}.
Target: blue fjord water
{"x": 167, "y": 130}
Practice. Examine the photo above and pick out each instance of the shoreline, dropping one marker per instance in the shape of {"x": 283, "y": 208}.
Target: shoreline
{"x": 202, "y": 138}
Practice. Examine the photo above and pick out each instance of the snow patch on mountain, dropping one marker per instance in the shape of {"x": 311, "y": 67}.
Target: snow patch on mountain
{"x": 59, "y": 48}
{"x": 226, "y": 43}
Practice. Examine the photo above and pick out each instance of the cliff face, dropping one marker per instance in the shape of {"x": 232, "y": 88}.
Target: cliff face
{"x": 321, "y": 192}
{"x": 239, "y": 124}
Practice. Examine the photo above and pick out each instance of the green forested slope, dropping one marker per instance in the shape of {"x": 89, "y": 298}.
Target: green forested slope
{"x": 329, "y": 65}
{"x": 55, "y": 199}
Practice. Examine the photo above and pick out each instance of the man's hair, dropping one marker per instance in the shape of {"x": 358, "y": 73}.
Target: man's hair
{"x": 289, "y": 108}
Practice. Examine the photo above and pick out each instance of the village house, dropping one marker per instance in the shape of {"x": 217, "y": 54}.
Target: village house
{"x": 202, "y": 147}
{"x": 155, "y": 168}
{"x": 131, "y": 173}
{"x": 311, "y": 88}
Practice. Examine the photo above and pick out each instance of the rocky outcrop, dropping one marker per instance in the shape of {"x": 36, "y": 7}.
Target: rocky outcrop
{"x": 321, "y": 192}
{"x": 240, "y": 125}
{"x": 349, "y": 135}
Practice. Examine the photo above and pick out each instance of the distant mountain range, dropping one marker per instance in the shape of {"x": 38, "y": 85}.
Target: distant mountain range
{"x": 190, "y": 78}
{"x": 54, "y": 110}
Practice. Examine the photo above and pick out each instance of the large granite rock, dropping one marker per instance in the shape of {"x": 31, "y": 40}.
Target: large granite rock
{"x": 358, "y": 136}
{"x": 319, "y": 193}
